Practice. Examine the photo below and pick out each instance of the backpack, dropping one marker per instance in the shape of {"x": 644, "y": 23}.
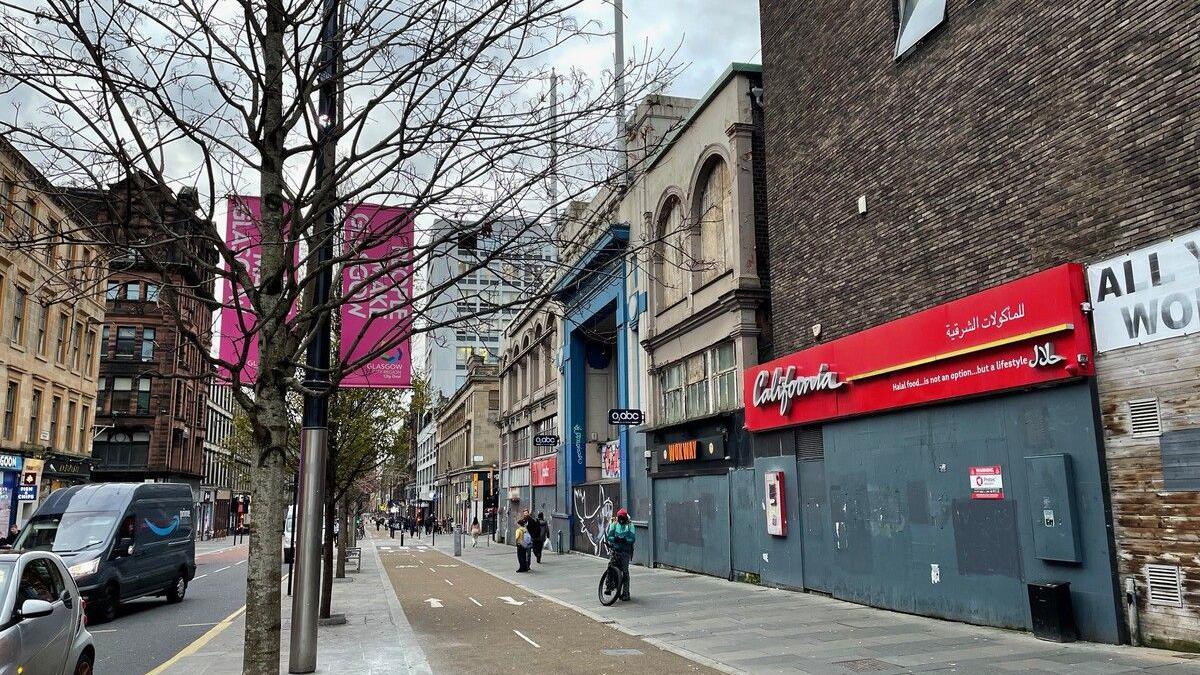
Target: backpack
{"x": 527, "y": 540}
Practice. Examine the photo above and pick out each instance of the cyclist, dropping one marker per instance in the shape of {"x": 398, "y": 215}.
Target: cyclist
{"x": 620, "y": 538}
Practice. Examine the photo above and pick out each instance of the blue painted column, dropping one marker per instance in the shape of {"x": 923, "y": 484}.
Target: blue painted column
{"x": 574, "y": 416}
{"x": 623, "y": 375}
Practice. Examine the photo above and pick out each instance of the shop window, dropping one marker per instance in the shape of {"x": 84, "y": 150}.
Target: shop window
{"x": 115, "y": 449}
{"x": 916, "y": 19}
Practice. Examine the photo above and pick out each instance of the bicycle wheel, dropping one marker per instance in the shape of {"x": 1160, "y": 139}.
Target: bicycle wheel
{"x": 610, "y": 586}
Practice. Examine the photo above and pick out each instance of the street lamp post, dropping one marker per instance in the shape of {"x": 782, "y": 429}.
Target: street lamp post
{"x": 302, "y": 656}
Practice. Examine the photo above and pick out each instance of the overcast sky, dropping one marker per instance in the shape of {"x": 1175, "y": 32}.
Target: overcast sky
{"x": 709, "y": 35}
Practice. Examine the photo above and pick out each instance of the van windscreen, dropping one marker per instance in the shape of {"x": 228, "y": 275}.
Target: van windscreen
{"x": 67, "y": 533}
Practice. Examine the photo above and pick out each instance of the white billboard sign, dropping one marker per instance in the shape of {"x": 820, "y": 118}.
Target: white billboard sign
{"x": 1148, "y": 295}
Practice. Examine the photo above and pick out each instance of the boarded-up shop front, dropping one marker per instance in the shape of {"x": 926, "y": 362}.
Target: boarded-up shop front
{"x": 945, "y": 460}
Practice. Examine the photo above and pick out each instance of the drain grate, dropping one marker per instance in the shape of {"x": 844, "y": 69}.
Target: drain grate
{"x": 866, "y": 665}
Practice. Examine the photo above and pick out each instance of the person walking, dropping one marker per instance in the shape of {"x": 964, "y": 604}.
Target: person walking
{"x": 542, "y": 534}
{"x": 524, "y": 542}
{"x": 475, "y": 530}
{"x": 620, "y": 538}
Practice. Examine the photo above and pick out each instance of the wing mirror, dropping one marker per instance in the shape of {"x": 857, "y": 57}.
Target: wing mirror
{"x": 32, "y": 609}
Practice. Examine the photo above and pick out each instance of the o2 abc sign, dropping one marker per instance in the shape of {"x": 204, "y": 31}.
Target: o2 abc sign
{"x": 626, "y": 416}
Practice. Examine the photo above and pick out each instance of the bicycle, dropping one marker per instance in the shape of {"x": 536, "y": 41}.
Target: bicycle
{"x": 610, "y": 584}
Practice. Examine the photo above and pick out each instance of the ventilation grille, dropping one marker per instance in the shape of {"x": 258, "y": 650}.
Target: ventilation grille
{"x": 1145, "y": 418}
{"x": 810, "y": 444}
{"x": 1166, "y": 585}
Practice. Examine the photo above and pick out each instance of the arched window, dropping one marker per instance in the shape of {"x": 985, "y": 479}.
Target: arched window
{"x": 673, "y": 256}
{"x": 549, "y": 358}
{"x": 524, "y": 369}
{"x": 535, "y": 365}
{"x": 713, "y": 215}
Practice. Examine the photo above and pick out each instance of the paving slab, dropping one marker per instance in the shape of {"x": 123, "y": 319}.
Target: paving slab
{"x": 754, "y": 629}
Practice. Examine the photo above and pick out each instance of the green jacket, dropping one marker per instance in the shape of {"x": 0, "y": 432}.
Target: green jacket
{"x": 621, "y": 537}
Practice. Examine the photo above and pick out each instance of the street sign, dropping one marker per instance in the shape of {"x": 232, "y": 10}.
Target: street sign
{"x": 626, "y": 416}
{"x": 545, "y": 441}
{"x": 27, "y": 493}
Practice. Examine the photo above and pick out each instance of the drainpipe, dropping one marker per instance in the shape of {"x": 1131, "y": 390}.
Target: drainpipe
{"x": 1131, "y": 612}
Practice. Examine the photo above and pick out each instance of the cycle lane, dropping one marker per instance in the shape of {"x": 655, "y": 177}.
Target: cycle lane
{"x": 470, "y": 621}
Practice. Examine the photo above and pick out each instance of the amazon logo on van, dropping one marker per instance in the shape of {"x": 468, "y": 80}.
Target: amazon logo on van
{"x": 163, "y": 530}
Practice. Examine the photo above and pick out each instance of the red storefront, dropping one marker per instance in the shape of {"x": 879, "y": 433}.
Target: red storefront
{"x": 938, "y": 463}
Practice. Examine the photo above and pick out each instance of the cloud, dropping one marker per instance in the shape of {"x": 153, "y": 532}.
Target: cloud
{"x": 706, "y": 36}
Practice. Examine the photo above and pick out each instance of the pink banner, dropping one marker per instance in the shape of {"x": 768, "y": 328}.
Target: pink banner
{"x": 377, "y": 313}
{"x": 242, "y": 236}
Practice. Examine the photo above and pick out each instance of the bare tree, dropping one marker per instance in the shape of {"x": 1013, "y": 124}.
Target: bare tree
{"x": 444, "y": 110}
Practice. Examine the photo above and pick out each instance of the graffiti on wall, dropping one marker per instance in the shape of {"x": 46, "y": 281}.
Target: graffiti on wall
{"x": 595, "y": 505}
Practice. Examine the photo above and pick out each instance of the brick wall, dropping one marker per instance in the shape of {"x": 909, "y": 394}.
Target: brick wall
{"x": 1017, "y": 136}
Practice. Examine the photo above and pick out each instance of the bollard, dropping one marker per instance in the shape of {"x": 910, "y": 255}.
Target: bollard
{"x": 560, "y": 542}
{"x": 401, "y": 537}
{"x": 457, "y": 540}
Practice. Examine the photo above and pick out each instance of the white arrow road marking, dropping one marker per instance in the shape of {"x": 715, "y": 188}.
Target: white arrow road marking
{"x": 477, "y": 603}
{"x": 526, "y": 638}
{"x": 509, "y": 601}
{"x": 434, "y": 603}
{"x": 448, "y": 581}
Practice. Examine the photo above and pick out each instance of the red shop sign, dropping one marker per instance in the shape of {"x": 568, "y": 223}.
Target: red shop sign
{"x": 543, "y": 471}
{"x": 1027, "y": 332}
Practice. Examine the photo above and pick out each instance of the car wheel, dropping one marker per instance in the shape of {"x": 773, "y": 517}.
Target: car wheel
{"x": 178, "y": 589}
{"x": 106, "y": 608}
{"x": 84, "y": 665}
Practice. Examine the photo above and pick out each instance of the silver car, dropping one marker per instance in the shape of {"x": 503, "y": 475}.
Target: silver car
{"x": 41, "y": 617}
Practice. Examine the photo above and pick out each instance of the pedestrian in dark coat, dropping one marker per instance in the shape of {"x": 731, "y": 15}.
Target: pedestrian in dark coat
{"x": 540, "y": 534}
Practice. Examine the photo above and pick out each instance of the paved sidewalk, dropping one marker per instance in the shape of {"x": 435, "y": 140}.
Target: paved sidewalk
{"x": 745, "y": 628}
{"x": 376, "y": 638}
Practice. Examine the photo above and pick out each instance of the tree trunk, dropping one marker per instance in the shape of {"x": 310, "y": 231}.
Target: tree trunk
{"x": 327, "y": 546}
{"x": 269, "y": 418}
{"x": 268, "y": 503}
{"x": 343, "y": 537}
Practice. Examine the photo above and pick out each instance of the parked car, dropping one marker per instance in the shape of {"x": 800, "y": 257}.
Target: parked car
{"x": 120, "y": 541}
{"x": 41, "y": 617}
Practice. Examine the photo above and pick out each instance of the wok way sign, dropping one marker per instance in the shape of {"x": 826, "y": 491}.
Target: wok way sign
{"x": 987, "y": 482}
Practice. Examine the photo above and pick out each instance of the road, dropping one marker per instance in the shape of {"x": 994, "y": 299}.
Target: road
{"x": 149, "y": 631}
{"x": 469, "y": 621}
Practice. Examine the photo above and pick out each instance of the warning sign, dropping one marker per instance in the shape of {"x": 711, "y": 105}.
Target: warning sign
{"x": 987, "y": 482}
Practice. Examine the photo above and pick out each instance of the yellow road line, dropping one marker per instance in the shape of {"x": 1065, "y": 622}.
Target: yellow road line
{"x": 200, "y": 642}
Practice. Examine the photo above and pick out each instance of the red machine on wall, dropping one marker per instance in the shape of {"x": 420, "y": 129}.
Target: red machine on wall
{"x": 776, "y": 507}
